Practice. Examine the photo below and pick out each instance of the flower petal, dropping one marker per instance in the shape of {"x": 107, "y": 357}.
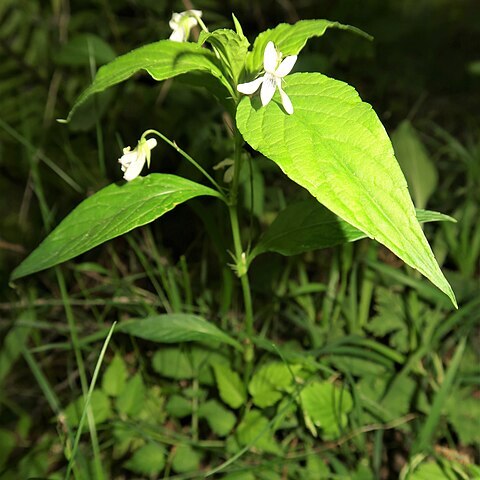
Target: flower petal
{"x": 195, "y": 13}
{"x": 134, "y": 169}
{"x": 270, "y": 58}
{"x": 268, "y": 89}
{"x": 178, "y": 35}
{"x": 286, "y": 102}
{"x": 151, "y": 143}
{"x": 286, "y": 66}
{"x": 250, "y": 87}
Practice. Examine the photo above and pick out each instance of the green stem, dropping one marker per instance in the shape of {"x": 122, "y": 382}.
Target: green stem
{"x": 188, "y": 158}
{"x": 240, "y": 258}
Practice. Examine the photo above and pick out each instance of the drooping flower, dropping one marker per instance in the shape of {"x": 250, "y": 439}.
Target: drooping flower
{"x": 182, "y": 23}
{"x": 132, "y": 161}
{"x": 275, "y": 70}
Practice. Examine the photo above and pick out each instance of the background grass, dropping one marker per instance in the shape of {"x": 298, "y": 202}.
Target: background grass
{"x": 353, "y": 316}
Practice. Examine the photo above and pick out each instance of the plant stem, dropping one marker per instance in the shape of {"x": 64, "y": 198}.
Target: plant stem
{"x": 241, "y": 259}
{"x": 188, "y": 158}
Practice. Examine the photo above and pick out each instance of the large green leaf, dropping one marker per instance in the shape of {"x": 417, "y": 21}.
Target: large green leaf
{"x": 335, "y": 146}
{"x": 162, "y": 60}
{"x": 111, "y": 212}
{"x": 175, "y": 328}
{"x": 308, "y": 225}
{"x": 290, "y": 39}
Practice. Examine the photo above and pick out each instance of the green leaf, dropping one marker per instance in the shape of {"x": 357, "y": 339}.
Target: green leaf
{"x": 115, "y": 377}
{"x": 131, "y": 400}
{"x": 335, "y": 146}
{"x": 81, "y": 48}
{"x": 254, "y": 431}
{"x": 99, "y": 403}
{"x": 111, "y": 212}
{"x": 178, "y": 406}
{"x": 176, "y": 328}
{"x": 270, "y": 381}
{"x": 220, "y": 419}
{"x": 432, "y": 470}
{"x": 231, "y": 47}
{"x": 147, "y": 460}
{"x": 162, "y": 60}
{"x": 183, "y": 364}
{"x": 290, "y": 39}
{"x": 14, "y": 341}
{"x": 231, "y": 388}
{"x": 7, "y": 444}
{"x": 419, "y": 170}
{"x": 463, "y": 412}
{"x": 186, "y": 459}
{"x": 326, "y": 406}
{"x": 308, "y": 225}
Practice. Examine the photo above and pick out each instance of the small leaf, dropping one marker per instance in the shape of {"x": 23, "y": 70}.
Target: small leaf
{"x": 269, "y": 381}
{"x": 13, "y": 343}
{"x": 176, "y": 328}
{"x": 290, "y": 39}
{"x": 162, "y": 60}
{"x": 231, "y": 388}
{"x": 147, "y": 460}
{"x": 326, "y": 406}
{"x": 220, "y": 420}
{"x": 7, "y": 444}
{"x": 183, "y": 364}
{"x": 81, "y": 48}
{"x": 99, "y": 403}
{"x": 178, "y": 406}
{"x": 418, "y": 168}
{"x": 463, "y": 412}
{"x": 308, "y": 225}
{"x": 111, "y": 212}
{"x": 254, "y": 431}
{"x": 131, "y": 399}
{"x": 335, "y": 146}
{"x": 231, "y": 47}
{"x": 186, "y": 459}
{"x": 115, "y": 376}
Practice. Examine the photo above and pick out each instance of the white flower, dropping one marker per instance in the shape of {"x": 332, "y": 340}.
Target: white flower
{"x": 182, "y": 23}
{"x": 132, "y": 161}
{"x": 275, "y": 70}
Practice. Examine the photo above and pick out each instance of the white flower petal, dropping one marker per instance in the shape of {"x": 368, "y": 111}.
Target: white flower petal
{"x": 268, "y": 89}
{"x": 127, "y": 158}
{"x": 195, "y": 13}
{"x": 134, "y": 169}
{"x": 151, "y": 143}
{"x": 286, "y": 66}
{"x": 270, "y": 58}
{"x": 190, "y": 23}
{"x": 178, "y": 35}
{"x": 286, "y": 102}
{"x": 250, "y": 87}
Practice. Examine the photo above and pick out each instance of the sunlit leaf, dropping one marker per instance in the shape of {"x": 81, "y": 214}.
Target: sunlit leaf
{"x": 111, "y": 212}
{"x": 335, "y": 146}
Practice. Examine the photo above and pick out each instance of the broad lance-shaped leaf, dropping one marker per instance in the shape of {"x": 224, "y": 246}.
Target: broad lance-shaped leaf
{"x": 176, "y": 328}
{"x": 335, "y": 146}
{"x": 308, "y": 225}
{"x": 290, "y": 39}
{"x": 111, "y": 212}
{"x": 162, "y": 60}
